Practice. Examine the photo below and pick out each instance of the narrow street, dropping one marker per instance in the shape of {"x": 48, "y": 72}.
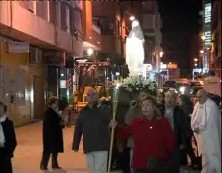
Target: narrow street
{"x": 28, "y": 152}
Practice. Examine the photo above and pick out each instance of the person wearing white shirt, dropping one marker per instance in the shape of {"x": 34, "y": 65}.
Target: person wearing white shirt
{"x": 7, "y": 140}
{"x": 206, "y": 124}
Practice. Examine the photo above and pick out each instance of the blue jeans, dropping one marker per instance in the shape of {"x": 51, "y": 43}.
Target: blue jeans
{"x": 97, "y": 161}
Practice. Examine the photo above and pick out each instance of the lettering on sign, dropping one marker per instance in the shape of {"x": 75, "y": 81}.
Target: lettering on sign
{"x": 18, "y": 47}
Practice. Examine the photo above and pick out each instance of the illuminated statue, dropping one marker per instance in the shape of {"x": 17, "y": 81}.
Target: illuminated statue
{"x": 135, "y": 49}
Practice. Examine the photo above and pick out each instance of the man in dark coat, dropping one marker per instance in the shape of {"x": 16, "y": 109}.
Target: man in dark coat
{"x": 52, "y": 135}
{"x": 7, "y": 141}
{"x": 180, "y": 126}
{"x": 93, "y": 124}
{"x": 186, "y": 105}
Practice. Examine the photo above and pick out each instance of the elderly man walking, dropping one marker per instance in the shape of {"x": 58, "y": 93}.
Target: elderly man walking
{"x": 206, "y": 124}
{"x": 177, "y": 120}
{"x": 93, "y": 125}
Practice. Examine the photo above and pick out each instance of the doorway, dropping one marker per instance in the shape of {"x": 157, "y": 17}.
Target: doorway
{"x": 38, "y": 98}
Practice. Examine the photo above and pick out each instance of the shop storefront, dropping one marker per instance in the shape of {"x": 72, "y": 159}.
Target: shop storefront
{"x": 22, "y": 80}
{"x": 59, "y": 75}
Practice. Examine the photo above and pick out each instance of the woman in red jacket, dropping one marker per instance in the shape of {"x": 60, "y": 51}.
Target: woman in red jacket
{"x": 153, "y": 139}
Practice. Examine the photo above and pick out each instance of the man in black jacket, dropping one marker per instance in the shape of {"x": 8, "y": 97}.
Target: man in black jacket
{"x": 7, "y": 141}
{"x": 180, "y": 126}
{"x": 93, "y": 124}
{"x": 52, "y": 135}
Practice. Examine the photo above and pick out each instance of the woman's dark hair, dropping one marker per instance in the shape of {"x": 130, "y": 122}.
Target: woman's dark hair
{"x": 1, "y": 103}
{"x": 185, "y": 99}
{"x": 52, "y": 100}
{"x": 187, "y": 104}
{"x": 5, "y": 107}
{"x": 63, "y": 103}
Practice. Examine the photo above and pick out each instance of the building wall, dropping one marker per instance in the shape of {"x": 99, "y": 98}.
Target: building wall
{"x": 113, "y": 25}
{"x": 151, "y": 24}
{"x": 19, "y": 80}
{"x": 215, "y": 51}
{"x": 41, "y": 25}
{"x": 90, "y": 34}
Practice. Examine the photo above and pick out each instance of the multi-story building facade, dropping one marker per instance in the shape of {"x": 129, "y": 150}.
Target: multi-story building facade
{"x": 37, "y": 40}
{"x": 115, "y": 26}
{"x": 215, "y": 51}
{"x": 206, "y": 35}
{"x": 152, "y": 30}
{"x": 210, "y": 53}
{"x": 105, "y": 32}
{"x": 114, "y": 29}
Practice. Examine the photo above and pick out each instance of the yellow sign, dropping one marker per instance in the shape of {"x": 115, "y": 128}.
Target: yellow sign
{"x": 171, "y": 65}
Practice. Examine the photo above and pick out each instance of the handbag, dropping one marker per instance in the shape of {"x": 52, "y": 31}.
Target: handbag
{"x": 155, "y": 164}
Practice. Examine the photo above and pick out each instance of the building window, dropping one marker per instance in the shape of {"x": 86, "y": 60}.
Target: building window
{"x": 65, "y": 16}
{"x": 52, "y": 12}
{"x": 149, "y": 6}
{"x": 29, "y": 5}
{"x": 35, "y": 55}
{"x": 41, "y": 9}
{"x": 107, "y": 26}
{"x": 76, "y": 20}
{"x": 118, "y": 29}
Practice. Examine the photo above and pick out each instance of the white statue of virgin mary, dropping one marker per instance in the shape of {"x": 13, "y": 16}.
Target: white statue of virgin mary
{"x": 135, "y": 49}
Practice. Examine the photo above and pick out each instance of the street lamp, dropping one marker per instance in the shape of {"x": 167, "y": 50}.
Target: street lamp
{"x": 132, "y": 18}
{"x": 203, "y": 37}
{"x": 195, "y": 59}
{"x": 89, "y": 51}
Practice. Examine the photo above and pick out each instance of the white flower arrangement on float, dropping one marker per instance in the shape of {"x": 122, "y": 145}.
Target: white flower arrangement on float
{"x": 136, "y": 84}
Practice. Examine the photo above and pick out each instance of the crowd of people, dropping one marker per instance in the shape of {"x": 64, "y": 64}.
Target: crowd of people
{"x": 155, "y": 137}
{"x": 157, "y": 134}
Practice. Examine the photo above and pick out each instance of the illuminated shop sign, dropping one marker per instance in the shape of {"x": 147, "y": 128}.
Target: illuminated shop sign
{"x": 207, "y": 24}
{"x": 207, "y": 13}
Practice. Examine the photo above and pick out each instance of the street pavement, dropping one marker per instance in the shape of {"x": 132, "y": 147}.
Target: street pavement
{"x": 27, "y": 155}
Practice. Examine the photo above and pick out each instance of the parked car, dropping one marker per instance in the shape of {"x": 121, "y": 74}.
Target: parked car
{"x": 170, "y": 84}
{"x": 195, "y": 86}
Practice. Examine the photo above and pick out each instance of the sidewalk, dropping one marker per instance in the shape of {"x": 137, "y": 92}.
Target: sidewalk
{"x": 27, "y": 155}
{"x": 29, "y": 149}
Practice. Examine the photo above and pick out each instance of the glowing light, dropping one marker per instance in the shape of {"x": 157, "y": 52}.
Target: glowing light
{"x": 117, "y": 85}
{"x": 90, "y": 51}
{"x": 161, "y": 54}
{"x": 203, "y": 37}
{"x": 182, "y": 89}
{"x": 132, "y": 18}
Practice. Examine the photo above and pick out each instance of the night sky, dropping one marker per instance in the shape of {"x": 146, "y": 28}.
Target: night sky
{"x": 181, "y": 24}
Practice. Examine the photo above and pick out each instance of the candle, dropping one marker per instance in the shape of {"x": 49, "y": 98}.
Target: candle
{"x": 115, "y": 104}
{"x": 116, "y": 93}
